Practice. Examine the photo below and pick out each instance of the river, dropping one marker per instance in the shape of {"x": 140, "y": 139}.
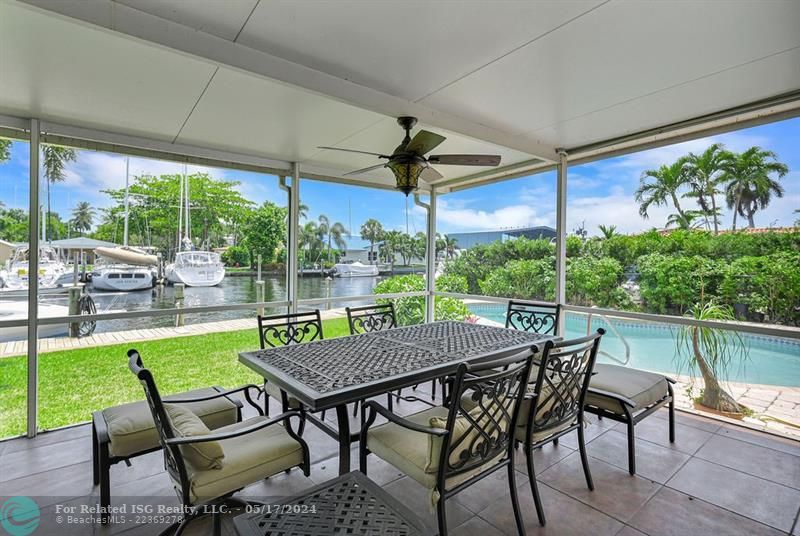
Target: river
{"x": 240, "y": 289}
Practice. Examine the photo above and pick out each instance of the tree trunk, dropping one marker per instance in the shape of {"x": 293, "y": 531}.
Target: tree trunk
{"x": 750, "y": 222}
{"x": 714, "y": 395}
{"x": 677, "y": 206}
{"x": 714, "y": 214}
{"x": 736, "y": 206}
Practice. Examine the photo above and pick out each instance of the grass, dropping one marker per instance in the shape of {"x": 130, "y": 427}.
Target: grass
{"x": 74, "y": 383}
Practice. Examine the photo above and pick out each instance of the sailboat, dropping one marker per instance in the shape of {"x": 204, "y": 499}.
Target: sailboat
{"x": 193, "y": 268}
{"x": 53, "y": 273}
{"x": 124, "y": 268}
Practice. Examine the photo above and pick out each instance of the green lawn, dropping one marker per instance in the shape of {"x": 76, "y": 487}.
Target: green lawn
{"x": 74, "y": 383}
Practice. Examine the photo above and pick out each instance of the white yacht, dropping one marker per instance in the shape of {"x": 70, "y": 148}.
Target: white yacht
{"x": 18, "y": 310}
{"x": 196, "y": 269}
{"x": 192, "y": 268}
{"x": 355, "y": 269}
{"x": 54, "y": 275}
{"x": 123, "y": 269}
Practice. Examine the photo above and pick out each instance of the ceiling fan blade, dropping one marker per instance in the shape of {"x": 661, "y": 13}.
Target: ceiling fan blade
{"x": 424, "y": 141}
{"x": 465, "y": 159}
{"x": 429, "y": 174}
{"x": 370, "y": 168}
{"x": 353, "y": 151}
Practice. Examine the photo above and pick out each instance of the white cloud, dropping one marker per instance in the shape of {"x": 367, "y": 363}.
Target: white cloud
{"x": 462, "y": 218}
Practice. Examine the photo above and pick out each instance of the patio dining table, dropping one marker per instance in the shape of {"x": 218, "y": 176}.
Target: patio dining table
{"x": 332, "y": 373}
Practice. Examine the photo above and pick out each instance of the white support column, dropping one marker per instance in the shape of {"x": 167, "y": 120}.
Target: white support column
{"x": 430, "y": 261}
{"x": 33, "y": 281}
{"x": 294, "y": 231}
{"x": 561, "y": 234}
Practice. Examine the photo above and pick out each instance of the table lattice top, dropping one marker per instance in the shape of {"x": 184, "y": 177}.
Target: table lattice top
{"x": 333, "y": 364}
{"x": 350, "y": 504}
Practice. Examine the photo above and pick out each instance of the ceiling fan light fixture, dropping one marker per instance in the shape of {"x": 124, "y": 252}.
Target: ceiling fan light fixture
{"x": 406, "y": 173}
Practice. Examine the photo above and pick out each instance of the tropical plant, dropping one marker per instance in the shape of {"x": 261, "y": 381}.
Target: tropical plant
{"x": 389, "y": 246}
{"x": 236, "y": 256}
{"x": 420, "y": 245}
{"x": 608, "y": 231}
{"x": 264, "y": 232}
{"x": 372, "y": 231}
{"x": 705, "y": 173}
{"x": 411, "y": 310}
{"x": 54, "y": 161}
{"x": 5, "y": 150}
{"x": 333, "y": 232}
{"x": 691, "y": 219}
{"x": 450, "y": 247}
{"x": 83, "y": 217}
{"x": 750, "y": 183}
{"x": 713, "y": 352}
{"x": 663, "y": 187}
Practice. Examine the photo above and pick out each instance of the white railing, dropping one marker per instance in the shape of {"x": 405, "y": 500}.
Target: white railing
{"x": 613, "y": 328}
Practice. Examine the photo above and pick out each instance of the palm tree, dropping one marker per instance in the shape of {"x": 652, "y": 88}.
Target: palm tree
{"x": 390, "y": 246}
{"x": 54, "y": 160}
{"x": 303, "y": 212}
{"x": 749, "y": 184}
{"x": 333, "y": 232}
{"x": 608, "y": 230}
{"x": 83, "y": 217}
{"x": 686, "y": 221}
{"x": 309, "y": 240}
{"x": 667, "y": 180}
{"x": 705, "y": 172}
{"x": 372, "y": 231}
{"x": 450, "y": 247}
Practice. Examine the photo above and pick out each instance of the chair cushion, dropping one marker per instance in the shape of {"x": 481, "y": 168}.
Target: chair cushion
{"x": 414, "y": 453}
{"x": 131, "y": 429}
{"x": 205, "y": 455}
{"x": 248, "y": 459}
{"x": 641, "y": 386}
{"x": 275, "y": 392}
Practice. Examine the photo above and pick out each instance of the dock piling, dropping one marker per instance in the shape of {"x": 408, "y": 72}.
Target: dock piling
{"x": 74, "y": 298}
{"x": 179, "y": 303}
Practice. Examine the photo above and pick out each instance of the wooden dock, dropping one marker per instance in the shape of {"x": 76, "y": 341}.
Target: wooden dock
{"x": 53, "y": 344}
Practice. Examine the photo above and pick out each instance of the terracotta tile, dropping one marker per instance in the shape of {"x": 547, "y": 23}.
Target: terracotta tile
{"x": 484, "y": 492}
{"x": 688, "y": 439}
{"x": 475, "y": 526}
{"x": 670, "y": 513}
{"x": 543, "y": 457}
{"x": 753, "y": 459}
{"x": 416, "y": 497}
{"x": 690, "y": 419}
{"x": 630, "y": 531}
{"x": 750, "y": 496}
{"x": 378, "y": 470}
{"x": 616, "y": 493}
{"x": 758, "y": 438}
{"x": 653, "y": 461}
{"x": 565, "y": 515}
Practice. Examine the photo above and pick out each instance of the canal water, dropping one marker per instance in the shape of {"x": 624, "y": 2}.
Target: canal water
{"x": 240, "y": 289}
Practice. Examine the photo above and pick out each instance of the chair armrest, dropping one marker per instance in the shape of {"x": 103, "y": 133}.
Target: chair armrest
{"x": 228, "y": 435}
{"x": 405, "y": 423}
{"x": 671, "y": 380}
{"x": 625, "y": 400}
{"x": 226, "y": 393}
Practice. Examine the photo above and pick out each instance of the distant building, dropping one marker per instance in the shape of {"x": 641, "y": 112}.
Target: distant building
{"x": 468, "y": 240}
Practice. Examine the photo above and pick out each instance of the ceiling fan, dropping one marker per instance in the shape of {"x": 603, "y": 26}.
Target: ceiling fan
{"x": 408, "y": 161}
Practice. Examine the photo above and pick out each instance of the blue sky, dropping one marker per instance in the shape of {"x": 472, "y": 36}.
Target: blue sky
{"x": 598, "y": 193}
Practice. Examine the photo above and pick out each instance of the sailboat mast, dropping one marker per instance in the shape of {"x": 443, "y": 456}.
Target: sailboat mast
{"x": 127, "y": 194}
{"x": 180, "y": 215}
{"x": 188, "y": 212}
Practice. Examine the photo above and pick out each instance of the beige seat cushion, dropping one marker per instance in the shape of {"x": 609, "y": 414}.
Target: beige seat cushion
{"x": 641, "y": 386}
{"x": 131, "y": 429}
{"x": 414, "y": 453}
{"x": 275, "y": 392}
{"x": 248, "y": 458}
{"x": 204, "y": 455}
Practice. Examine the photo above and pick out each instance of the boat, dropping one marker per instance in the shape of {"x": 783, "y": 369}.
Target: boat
{"x": 196, "y": 269}
{"x": 124, "y": 269}
{"x": 18, "y": 310}
{"x": 355, "y": 269}
{"x": 54, "y": 276}
{"x": 193, "y": 268}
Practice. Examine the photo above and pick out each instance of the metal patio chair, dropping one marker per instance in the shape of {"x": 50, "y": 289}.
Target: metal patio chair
{"x": 557, "y": 398}
{"x": 447, "y": 449}
{"x": 532, "y": 316}
{"x": 282, "y": 330}
{"x": 208, "y": 466}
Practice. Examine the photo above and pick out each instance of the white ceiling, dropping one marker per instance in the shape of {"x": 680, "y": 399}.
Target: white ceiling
{"x": 278, "y": 78}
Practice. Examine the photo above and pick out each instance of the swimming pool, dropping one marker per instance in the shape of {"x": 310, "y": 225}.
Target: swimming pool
{"x": 773, "y": 360}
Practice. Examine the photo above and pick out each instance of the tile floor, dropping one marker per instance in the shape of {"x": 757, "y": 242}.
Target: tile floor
{"x": 716, "y": 479}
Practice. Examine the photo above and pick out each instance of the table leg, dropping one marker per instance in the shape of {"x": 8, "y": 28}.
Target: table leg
{"x": 343, "y": 422}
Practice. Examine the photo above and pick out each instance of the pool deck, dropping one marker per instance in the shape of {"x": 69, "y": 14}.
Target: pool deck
{"x": 775, "y": 409}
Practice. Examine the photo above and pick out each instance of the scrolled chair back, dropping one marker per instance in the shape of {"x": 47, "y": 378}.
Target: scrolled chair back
{"x": 533, "y": 316}
{"x": 173, "y": 458}
{"x": 562, "y": 379}
{"x": 286, "y": 329}
{"x": 483, "y": 412}
{"x": 370, "y": 318}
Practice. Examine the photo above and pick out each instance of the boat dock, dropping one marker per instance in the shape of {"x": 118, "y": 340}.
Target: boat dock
{"x": 54, "y": 344}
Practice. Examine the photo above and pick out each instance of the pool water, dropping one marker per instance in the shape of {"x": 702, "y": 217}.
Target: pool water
{"x": 772, "y": 360}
